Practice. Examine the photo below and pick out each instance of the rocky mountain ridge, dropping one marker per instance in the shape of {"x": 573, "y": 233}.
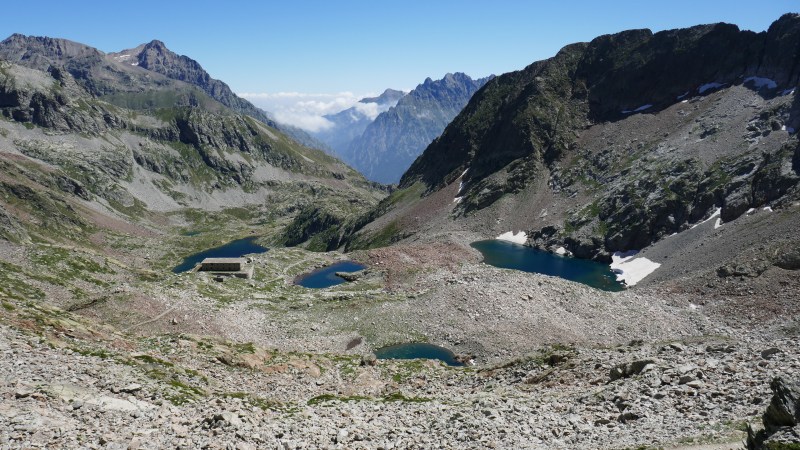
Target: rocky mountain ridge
{"x": 96, "y": 130}
{"x": 110, "y": 74}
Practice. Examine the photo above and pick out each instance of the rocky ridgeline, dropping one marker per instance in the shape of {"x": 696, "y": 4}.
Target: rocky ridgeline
{"x": 141, "y": 145}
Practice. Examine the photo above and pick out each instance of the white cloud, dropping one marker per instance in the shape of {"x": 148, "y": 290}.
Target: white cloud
{"x": 371, "y": 110}
{"x": 304, "y": 110}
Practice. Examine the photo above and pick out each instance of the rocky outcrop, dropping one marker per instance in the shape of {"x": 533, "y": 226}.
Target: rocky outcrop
{"x": 59, "y": 107}
{"x": 316, "y": 225}
{"x": 781, "y": 420}
{"x": 156, "y": 57}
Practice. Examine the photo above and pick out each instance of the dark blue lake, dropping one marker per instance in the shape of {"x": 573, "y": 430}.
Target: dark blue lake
{"x": 417, "y": 350}
{"x": 514, "y": 256}
{"x": 233, "y": 249}
{"x": 326, "y": 276}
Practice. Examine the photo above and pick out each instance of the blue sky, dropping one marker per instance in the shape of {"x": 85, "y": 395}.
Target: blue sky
{"x": 354, "y": 47}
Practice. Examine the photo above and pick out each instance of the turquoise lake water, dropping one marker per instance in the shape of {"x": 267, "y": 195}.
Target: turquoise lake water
{"x": 326, "y": 276}
{"x": 514, "y": 256}
{"x": 233, "y": 249}
{"x": 415, "y": 350}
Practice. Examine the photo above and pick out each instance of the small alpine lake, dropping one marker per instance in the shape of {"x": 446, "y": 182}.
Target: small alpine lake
{"x": 507, "y": 255}
{"x": 233, "y": 249}
{"x": 326, "y": 276}
{"x": 418, "y": 350}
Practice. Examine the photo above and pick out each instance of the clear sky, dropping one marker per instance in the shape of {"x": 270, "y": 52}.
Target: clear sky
{"x": 356, "y": 47}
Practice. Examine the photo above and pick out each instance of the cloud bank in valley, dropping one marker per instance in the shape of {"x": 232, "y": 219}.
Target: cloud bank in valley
{"x": 306, "y": 110}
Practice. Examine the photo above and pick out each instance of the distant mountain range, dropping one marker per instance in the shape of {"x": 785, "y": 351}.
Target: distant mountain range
{"x": 383, "y": 148}
{"x": 351, "y": 123}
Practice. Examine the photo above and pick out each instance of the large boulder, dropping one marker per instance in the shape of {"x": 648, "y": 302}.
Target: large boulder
{"x": 629, "y": 369}
{"x": 781, "y": 420}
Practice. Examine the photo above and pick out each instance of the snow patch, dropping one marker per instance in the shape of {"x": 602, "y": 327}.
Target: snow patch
{"x": 682, "y": 95}
{"x": 639, "y": 109}
{"x": 561, "y": 251}
{"x": 708, "y": 86}
{"x": 460, "y": 188}
{"x": 767, "y": 209}
{"x": 630, "y": 269}
{"x": 718, "y": 223}
{"x": 750, "y": 211}
{"x": 760, "y": 82}
{"x": 717, "y": 212}
{"x": 518, "y": 238}
{"x": 789, "y": 91}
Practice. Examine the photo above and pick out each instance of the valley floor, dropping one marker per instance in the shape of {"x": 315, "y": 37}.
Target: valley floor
{"x": 186, "y": 362}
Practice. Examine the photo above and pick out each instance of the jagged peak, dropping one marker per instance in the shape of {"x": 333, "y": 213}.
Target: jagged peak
{"x": 388, "y": 96}
{"x": 155, "y": 43}
{"x": 46, "y": 41}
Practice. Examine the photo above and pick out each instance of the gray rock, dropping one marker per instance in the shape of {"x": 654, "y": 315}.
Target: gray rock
{"x": 781, "y": 419}
{"x": 629, "y": 369}
{"x": 351, "y": 276}
{"x": 369, "y": 360}
{"x": 131, "y": 388}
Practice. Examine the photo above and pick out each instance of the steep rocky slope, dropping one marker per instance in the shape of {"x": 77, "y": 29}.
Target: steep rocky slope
{"x": 614, "y": 144}
{"x": 83, "y": 130}
{"x": 391, "y": 142}
{"x": 120, "y": 78}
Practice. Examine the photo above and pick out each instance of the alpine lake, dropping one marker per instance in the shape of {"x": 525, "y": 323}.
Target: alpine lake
{"x": 508, "y": 255}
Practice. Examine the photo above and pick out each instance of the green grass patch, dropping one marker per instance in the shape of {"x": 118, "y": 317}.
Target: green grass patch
{"x": 326, "y": 398}
{"x": 12, "y": 284}
{"x": 153, "y": 360}
{"x": 399, "y": 397}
